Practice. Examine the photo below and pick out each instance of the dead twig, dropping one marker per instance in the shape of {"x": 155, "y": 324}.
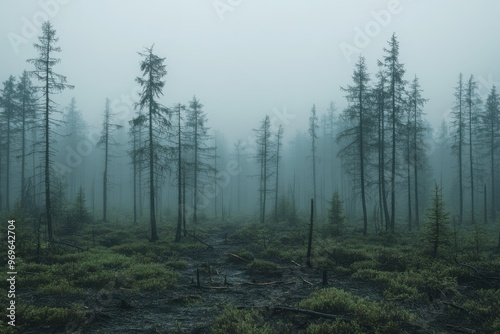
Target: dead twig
{"x": 238, "y": 257}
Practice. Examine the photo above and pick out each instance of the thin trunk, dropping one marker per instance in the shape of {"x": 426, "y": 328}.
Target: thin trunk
{"x": 460, "y": 140}
{"x": 408, "y": 173}
{"x": 179, "y": 179}
{"x": 393, "y": 162}
{"x": 485, "y": 212}
{"x": 415, "y": 169}
{"x": 362, "y": 162}
{"x": 184, "y": 202}
{"x": 264, "y": 191}
{"x": 105, "y": 178}
{"x": 309, "y": 243}
{"x": 277, "y": 176}
{"x": 7, "y": 168}
{"x": 48, "y": 208}
{"x": 154, "y": 235}
{"x": 195, "y": 191}
{"x": 23, "y": 154}
{"x": 471, "y": 157}
{"x": 492, "y": 147}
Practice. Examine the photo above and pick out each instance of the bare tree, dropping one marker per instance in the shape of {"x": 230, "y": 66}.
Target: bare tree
{"x": 313, "y": 132}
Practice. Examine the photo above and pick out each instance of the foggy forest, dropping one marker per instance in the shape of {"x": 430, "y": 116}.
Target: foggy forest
{"x": 284, "y": 186}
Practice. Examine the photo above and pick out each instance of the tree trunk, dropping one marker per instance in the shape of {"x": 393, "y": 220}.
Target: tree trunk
{"x": 179, "y": 180}
{"x": 362, "y": 162}
{"x": 309, "y": 244}
{"x": 48, "y": 208}
{"x": 471, "y": 159}
{"x": 152, "y": 212}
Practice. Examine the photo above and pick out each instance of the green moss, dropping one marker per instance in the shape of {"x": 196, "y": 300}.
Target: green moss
{"x": 262, "y": 265}
{"x": 336, "y": 327}
{"x": 60, "y": 287}
{"x": 233, "y": 320}
{"x": 377, "y": 317}
{"x": 177, "y": 263}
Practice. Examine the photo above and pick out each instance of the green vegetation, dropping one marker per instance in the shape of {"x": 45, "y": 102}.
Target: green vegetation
{"x": 336, "y": 218}
{"x": 233, "y": 320}
{"x": 371, "y": 316}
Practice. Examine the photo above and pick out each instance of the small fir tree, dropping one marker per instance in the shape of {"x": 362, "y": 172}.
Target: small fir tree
{"x": 336, "y": 218}
{"x": 438, "y": 221}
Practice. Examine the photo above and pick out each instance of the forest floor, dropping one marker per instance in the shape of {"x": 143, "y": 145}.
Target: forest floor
{"x": 253, "y": 279}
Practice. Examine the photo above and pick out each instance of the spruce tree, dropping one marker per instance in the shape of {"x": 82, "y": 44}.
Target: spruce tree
{"x": 52, "y": 83}
{"x": 155, "y": 120}
{"x": 437, "y": 226}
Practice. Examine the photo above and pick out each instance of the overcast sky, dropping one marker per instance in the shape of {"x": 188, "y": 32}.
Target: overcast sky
{"x": 244, "y": 59}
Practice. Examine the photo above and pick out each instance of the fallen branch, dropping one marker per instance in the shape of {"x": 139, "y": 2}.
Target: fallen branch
{"x": 263, "y": 283}
{"x": 239, "y": 257}
{"x": 199, "y": 240}
{"x": 68, "y": 244}
{"x": 460, "y": 329}
{"x": 309, "y": 312}
{"x": 306, "y": 281}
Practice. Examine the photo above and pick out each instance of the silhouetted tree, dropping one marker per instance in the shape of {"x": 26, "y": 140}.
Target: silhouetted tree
{"x": 437, "y": 232}
{"x": 357, "y": 134}
{"x": 336, "y": 218}
{"x": 27, "y": 103}
{"x": 197, "y": 136}
{"x": 76, "y": 130}
{"x": 473, "y": 102}
{"x": 52, "y": 83}
{"x": 313, "y": 132}
{"x": 416, "y": 130}
{"x": 107, "y": 140}
{"x": 179, "y": 148}
{"x": 264, "y": 159}
{"x": 458, "y": 133}
{"x": 155, "y": 120}
{"x": 380, "y": 101}
{"x": 491, "y": 137}
{"x": 394, "y": 72}
{"x": 279, "y": 137}
{"x": 8, "y": 118}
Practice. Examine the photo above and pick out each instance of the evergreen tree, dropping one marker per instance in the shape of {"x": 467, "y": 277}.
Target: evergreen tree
{"x": 437, "y": 228}
{"x": 155, "y": 120}
{"x": 76, "y": 130}
{"x": 313, "y": 132}
{"x": 458, "y": 133}
{"x": 358, "y": 133}
{"x": 52, "y": 83}
{"x": 200, "y": 154}
{"x": 107, "y": 141}
{"x": 336, "y": 217}
{"x": 394, "y": 72}
{"x": 472, "y": 102}
{"x": 491, "y": 140}
{"x": 8, "y": 117}
{"x": 27, "y": 103}
{"x": 279, "y": 137}
{"x": 264, "y": 159}
{"x": 416, "y": 149}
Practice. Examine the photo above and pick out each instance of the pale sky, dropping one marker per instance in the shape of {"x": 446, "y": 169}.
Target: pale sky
{"x": 243, "y": 59}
